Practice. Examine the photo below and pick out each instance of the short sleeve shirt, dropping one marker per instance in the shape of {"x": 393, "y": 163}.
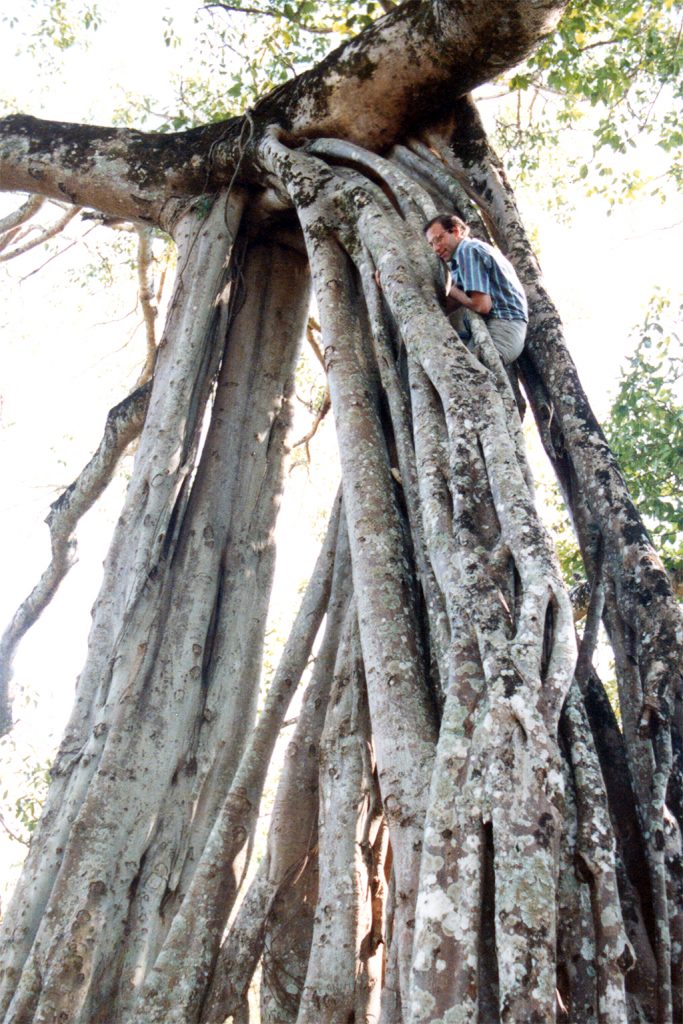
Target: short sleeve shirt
{"x": 478, "y": 267}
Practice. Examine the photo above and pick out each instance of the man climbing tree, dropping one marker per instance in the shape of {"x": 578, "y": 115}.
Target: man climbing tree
{"x": 462, "y": 830}
{"x": 483, "y": 281}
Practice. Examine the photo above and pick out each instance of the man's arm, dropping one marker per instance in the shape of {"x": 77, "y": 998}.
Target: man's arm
{"x": 478, "y": 302}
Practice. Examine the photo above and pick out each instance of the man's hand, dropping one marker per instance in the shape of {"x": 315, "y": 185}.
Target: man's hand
{"x": 478, "y": 302}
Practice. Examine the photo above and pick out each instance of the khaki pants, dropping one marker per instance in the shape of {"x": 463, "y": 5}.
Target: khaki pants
{"x": 508, "y": 337}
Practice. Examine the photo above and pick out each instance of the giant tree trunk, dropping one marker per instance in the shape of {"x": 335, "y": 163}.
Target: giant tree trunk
{"x": 478, "y": 839}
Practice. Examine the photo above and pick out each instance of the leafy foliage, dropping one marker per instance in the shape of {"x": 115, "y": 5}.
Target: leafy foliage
{"x": 645, "y": 428}
{"x": 53, "y": 26}
{"x": 27, "y": 776}
{"x": 276, "y": 39}
{"x": 244, "y": 50}
{"x": 612, "y": 68}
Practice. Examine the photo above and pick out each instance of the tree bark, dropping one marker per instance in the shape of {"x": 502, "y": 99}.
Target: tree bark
{"x": 531, "y": 850}
{"x": 442, "y": 48}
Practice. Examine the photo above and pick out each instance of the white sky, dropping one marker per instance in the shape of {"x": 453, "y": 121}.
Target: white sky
{"x": 66, "y": 356}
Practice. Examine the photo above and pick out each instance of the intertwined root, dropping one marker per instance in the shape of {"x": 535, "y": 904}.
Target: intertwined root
{"x": 443, "y": 841}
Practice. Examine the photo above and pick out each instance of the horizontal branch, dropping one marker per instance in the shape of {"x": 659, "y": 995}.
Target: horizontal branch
{"x": 405, "y": 68}
{"x": 124, "y": 173}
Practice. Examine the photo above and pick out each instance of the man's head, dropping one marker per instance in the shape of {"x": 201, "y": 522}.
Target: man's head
{"x": 445, "y": 233}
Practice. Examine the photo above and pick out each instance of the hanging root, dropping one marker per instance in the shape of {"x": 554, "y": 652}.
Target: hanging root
{"x": 147, "y": 301}
{"x": 289, "y": 842}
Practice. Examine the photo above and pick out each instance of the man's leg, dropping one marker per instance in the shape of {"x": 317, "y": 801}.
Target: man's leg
{"x": 508, "y": 337}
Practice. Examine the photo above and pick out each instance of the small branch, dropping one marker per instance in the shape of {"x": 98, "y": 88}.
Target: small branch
{"x": 12, "y": 834}
{"x": 313, "y": 328}
{"x": 20, "y": 216}
{"x": 320, "y": 416}
{"x": 598, "y": 42}
{"x": 54, "y": 256}
{"x": 271, "y": 13}
{"x": 124, "y": 423}
{"x": 44, "y": 235}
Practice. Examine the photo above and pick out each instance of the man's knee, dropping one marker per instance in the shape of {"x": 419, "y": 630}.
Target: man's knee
{"x": 508, "y": 336}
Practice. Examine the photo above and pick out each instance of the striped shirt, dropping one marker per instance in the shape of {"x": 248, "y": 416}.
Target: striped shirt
{"x": 478, "y": 267}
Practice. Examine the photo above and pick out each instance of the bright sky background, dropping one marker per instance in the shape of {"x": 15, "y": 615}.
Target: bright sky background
{"x": 68, "y": 355}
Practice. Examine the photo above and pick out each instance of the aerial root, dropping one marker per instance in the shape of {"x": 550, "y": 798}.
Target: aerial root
{"x": 289, "y": 843}
{"x": 516, "y": 717}
{"x": 148, "y": 300}
{"x": 198, "y": 924}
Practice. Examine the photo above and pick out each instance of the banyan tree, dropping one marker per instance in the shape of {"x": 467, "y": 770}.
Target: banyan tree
{"x": 464, "y": 829}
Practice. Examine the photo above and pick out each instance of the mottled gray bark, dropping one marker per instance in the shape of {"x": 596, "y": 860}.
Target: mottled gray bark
{"x": 167, "y": 442}
{"x": 183, "y": 683}
{"x": 641, "y": 614}
{"x": 339, "y": 981}
{"x": 290, "y": 841}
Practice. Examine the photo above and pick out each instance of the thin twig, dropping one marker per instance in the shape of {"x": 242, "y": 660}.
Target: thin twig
{"x": 123, "y": 425}
{"x": 313, "y": 29}
{"x": 313, "y": 328}
{"x": 21, "y": 215}
{"x": 320, "y": 416}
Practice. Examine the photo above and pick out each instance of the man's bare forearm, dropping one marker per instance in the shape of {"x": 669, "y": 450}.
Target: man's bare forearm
{"x": 478, "y": 302}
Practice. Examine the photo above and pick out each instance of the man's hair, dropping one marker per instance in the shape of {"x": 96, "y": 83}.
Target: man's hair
{"x": 448, "y": 221}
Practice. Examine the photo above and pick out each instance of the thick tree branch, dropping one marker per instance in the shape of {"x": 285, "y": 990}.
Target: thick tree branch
{"x": 406, "y": 68}
{"x": 129, "y": 174}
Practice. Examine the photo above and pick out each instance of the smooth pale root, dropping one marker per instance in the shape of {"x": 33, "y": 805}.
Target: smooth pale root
{"x": 348, "y": 820}
{"x": 291, "y": 841}
{"x": 146, "y": 510}
{"x": 212, "y": 887}
{"x": 166, "y": 702}
{"x": 525, "y": 539}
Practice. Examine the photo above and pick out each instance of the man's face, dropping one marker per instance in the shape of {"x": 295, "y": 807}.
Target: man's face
{"x": 444, "y": 242}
